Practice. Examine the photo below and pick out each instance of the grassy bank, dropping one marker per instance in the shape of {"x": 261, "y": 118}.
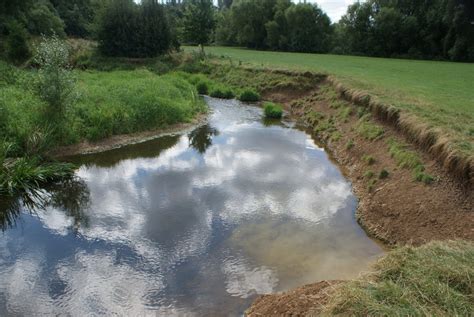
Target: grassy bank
{"x": 435, "y": 279}
{"x": 439, "y": 93}
{"x": 105, "y": 104}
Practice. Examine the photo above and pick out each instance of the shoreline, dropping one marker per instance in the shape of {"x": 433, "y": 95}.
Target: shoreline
{"x": 396, "y": 209}
{"x": 119, "y": 141}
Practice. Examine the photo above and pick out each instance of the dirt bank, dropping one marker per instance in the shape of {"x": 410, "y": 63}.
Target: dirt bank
{"x": 394, "y": 207}
{"x": 118, "y": 141}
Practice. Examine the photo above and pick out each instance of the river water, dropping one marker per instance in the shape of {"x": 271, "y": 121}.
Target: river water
{"x": 193, "y": 224}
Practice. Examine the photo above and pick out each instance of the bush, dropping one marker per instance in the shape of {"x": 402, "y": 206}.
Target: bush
{"x": 202, "y": 88}
{"x": 55, "y": 83}
{"x": 249, "y": 95}
{"x": 272, "y": 110}
{"x": 17, "y": 49}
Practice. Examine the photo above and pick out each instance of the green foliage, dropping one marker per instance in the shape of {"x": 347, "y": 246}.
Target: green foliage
{"x": 438, "y": 29}
{"x": 248, "y": 95}
{"x": 17, "y": 49}
{"x": 202, "y": 88}
{"x": 220, "y": 91}
{"x": 55, "y": 82}
{"x": 272, "y": 110}
{"x": 44, "y": 20}
{"x": 198, "y": 21}
{"x": 278, "y": 25}
{"x": 368, "y": 129}
{"x": 434, "y": 279}
{"x": 131, "y": 30}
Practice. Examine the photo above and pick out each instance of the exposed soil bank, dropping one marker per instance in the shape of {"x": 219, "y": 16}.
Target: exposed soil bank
{"x": 118, "y": 141}
{"x": 396, "y": 209}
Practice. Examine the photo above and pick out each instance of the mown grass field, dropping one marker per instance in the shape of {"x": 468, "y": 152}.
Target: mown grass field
{"x": 440, "y": 93}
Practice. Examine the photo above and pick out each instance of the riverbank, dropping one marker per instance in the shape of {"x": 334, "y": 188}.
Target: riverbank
{"x": 406, "y": 197}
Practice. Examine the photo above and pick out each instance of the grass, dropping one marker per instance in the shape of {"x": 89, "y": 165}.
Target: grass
{"x": 408, "y": 159}
{"x": 438, "y": 93}
{"x": 367, "y": 129}
{"x": 272, "y": 110}
{"x": 107, "y": 103}
{"x": 431, "y": 280}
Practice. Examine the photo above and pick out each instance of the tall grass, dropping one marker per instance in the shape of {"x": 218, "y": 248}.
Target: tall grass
{"x": 435, "y": 279}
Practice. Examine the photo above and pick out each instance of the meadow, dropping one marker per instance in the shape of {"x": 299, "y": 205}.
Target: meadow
{"x": 441, "y": 94}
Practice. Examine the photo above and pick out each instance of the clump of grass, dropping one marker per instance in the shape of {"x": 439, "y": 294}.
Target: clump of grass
{"x": 431, "y": 280}
{"x": 336, "y": 136}
{"x": 383, "y": 174}
{"x": 371, "y": 185}
{"x": 368, "y": 159}
{"x": 272, "y": 110}
{"x": 361, "y": 111}
{"x": 368, "y": 129}
{"x": 249, "y": 95}
{"x": 325, "y": 126}
{"x": 408, "y": 159}
{"x": 350, "y": 144}
{"x": 202, "y": 88}
{"x": 222, "y": 92}
{"x": 369, "y": 174}
{"x": 344, "y": 113}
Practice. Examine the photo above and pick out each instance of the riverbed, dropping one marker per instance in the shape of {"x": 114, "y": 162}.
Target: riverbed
{"x": 198, "y": 223}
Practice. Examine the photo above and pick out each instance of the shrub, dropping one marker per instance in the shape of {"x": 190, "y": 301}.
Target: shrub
{"x": 202, "y": 88}
{"x": 272, "y": 110}
{"x": 369, "y": 174}
{"x": 55, "y": 83}
{"x": 249, "y": 95}
{"x": 17, "y": 49}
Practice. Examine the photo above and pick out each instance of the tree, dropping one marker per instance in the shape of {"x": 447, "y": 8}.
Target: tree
{"x": 55, "y": 83}
{"x": 198, "y": 22}
{"x": 17, "y": 42}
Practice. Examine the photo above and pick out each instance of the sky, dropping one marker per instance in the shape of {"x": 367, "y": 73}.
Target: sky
{"x": 335, "y": 9}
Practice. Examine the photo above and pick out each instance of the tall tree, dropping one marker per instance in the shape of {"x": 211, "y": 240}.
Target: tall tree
{"x": 198, "y": 22}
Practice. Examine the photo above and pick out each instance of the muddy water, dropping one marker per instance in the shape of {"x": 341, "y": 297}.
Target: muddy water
{"x": 195, "y": 224}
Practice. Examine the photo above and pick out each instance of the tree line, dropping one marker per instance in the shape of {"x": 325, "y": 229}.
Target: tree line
{"x": 423, "y": 29}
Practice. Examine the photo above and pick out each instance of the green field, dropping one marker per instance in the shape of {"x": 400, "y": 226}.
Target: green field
{"x": 441, "y": 93}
